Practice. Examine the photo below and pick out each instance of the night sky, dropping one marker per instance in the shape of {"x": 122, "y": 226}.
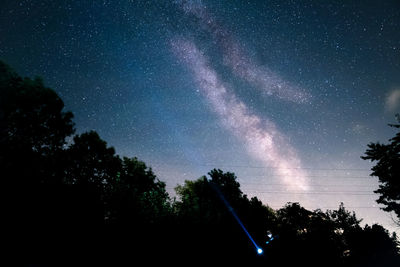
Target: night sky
{"x": 286, "y": 94}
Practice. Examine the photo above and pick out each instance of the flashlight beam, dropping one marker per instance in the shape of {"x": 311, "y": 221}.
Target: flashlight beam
{"x": 232, "y": 211}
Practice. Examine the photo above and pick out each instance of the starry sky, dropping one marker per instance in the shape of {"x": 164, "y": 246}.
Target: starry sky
{"x": 286, "y": 94}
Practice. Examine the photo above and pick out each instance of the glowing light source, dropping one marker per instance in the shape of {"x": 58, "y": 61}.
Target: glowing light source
{"x": 215, "y": 187}
{"x": 270, "y": 239}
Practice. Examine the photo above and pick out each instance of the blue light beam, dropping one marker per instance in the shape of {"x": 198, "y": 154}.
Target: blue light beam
{"x": 215, "y": 187}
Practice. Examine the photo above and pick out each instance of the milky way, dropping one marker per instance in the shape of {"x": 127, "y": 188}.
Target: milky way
{"x": 235, "y": 57}
{"x": 263, "y": 141}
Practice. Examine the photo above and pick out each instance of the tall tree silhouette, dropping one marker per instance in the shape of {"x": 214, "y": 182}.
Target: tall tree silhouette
{"x": 33, "y": 129}
{"x": 92, "y": 163}
{"x": 332, "y": 238}
{"x": 138, "y": 197}
{"x": 205, "y": 209}
{"x": 371, "y": 246}
{"x": 387, "y": 169}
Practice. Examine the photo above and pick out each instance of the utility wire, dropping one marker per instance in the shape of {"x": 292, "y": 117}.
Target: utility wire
{"x": 352, "y": 193}
{"x": 255, "y": 167}
{"x": 355, "y": 207}
{"x": 312, "y": 185}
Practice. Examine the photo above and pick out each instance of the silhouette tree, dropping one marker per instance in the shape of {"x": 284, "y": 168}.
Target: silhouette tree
{"x": 228, "y": 184}
{"x": 92, "y": 163}
{"x": 293, "y": 224}
{"x": 332, "y": 238}
{"x": 387, "y": 169}
{"x": 33, "y": 129}
{"x": 343, "y": 220}
{"x": 371, "y": 246}
{"x": 91, "y": 171}
{"x": 207, "y": 205}
{"x": 196, "y": 202}
{"x": 139, "y": 197}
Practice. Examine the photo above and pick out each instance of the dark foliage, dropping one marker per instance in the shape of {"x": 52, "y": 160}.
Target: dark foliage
{"x": 387, "y": 169}
{"x": 79, "y": 203}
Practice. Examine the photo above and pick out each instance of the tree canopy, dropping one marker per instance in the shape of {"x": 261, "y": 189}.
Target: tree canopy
{"x": 34, "y": 128}
{"x": 387, "y": 169}
{"x": 68, "y": 197}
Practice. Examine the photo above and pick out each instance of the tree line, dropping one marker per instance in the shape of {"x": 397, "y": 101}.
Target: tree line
{"x": 69, "y": 198}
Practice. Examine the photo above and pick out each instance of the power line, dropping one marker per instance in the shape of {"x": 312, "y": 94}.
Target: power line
{"x": 332, "y": 175}
{"x": 312, "y": 185}
{"x": 353, "y": 193}
{"x": 312, "y": 176}
{"x": 304, "y": 176}
{"x": 257, "y": 167}
{"x": 356, "y": 207}
{"x": 246, "y": 184}
{"x": 311, "y": 192}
